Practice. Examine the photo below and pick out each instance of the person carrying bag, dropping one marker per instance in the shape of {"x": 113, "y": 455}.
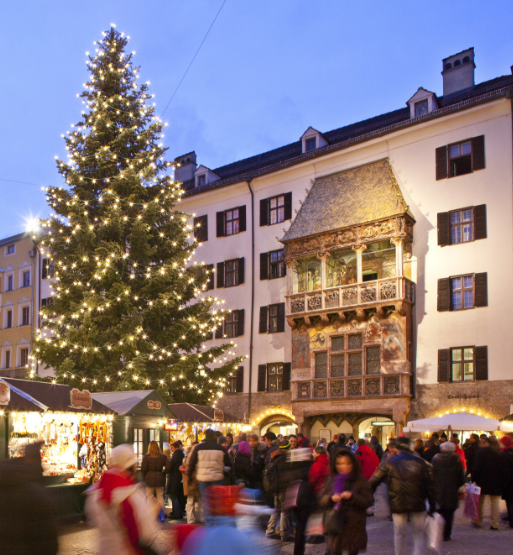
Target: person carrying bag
{"x": 347, "y": 496}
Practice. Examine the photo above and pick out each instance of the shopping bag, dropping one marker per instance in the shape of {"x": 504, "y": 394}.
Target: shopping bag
{"x": 314, "y": 526}
{"x": 291, "y": 495}
{"x": 434, "y": 531}
{"x": 472, "y": 499}
{"x": 162, "y": 516}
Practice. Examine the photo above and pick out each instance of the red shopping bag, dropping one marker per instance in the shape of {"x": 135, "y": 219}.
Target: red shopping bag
{"x": 472, "y": 499}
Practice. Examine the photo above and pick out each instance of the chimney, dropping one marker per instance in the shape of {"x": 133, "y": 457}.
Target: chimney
{"x": 187, "y": 167}
{"x": 458, "y": 72}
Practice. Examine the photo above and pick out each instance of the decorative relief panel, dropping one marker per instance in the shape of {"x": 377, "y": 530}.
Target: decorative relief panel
{"x": 331, "y": 299}
{"x": 392, "y": 385}
{"x": 388, "y": 290}
{"x": 368, "y": 294}
{"x": 337, "y": 388}
{"x": 297, "y": 305}
{"x": 320, "y": 389}
{"x": 354, "y": 388}
{"x": 349, "y": 296}
{"x": 314, "y": 302}
{"x": 372, "y": 386}
{"x": 303, "y": 390}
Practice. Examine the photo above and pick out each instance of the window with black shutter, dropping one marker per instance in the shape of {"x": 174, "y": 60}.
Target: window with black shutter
{"x": 443, "y": 365}
{"x": 481, "y": 289}
{"x": 231, "y": 222}
{"x": 481, "y": 363}
{"x": 264, "y": 212}
{"x": 44, "y": 272}
{"x": 276, "y": 317}
{"x": 275, "y": 376}
{"x": 219, "y": 330}
{"x": 240, "y": 323}
{"x": 201, "y": 229}
{"x": 480, "y": 222}
{"x": 231, "y": 273}
{"x": 240, "y": 379}
{"x": 462, "y": 225}
{"x": 276, "y": 209}
{"x": 277, "y": 267}
{"x": 286, "y": 376}
{"x": 220, "y": 224}
{"x": 444, "y": 299}
{"x": 264, "y": 265}
{"x": 231, "y": 324}
{"x": 262, "y": 375}
{"x": 462, "y": 364}
{"x": 460, "y": 158}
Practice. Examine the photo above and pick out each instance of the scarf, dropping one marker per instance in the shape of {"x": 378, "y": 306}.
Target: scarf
{"x": 339, "y": 483}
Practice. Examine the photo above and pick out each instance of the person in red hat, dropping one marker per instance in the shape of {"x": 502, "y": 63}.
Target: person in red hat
{"x": 507, "y": 475}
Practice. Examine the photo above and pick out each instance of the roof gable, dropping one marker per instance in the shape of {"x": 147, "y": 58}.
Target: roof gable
{"x": 355, "y": 196}
{"x": 124, "y": 402}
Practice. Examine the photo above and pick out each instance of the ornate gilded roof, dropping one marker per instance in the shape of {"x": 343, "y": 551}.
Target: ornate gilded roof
{"x": 351, "y": 197}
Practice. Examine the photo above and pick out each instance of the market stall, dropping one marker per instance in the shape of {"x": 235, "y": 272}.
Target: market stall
{"x": 192, "y": 421}
{"x": 67, "y": 422}
{"x": 141, "y": 416}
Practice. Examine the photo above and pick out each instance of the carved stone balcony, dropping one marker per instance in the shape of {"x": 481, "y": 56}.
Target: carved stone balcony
{"x": 351, "y": 387}
{"x": 350, "y": 297}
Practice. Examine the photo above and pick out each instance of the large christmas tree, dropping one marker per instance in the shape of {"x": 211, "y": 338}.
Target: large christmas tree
{"x": 129, "y": 309}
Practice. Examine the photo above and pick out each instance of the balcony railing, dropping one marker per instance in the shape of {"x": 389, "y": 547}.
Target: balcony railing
{"x": 351, "y": 387}
{"x": 350, "y": 296}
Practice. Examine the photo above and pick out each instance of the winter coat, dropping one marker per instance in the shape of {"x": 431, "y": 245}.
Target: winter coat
{"x": 318, "y": 473}
{"x": 409, "y": 480}
{"x": 368, "y": 461}
{"x": 430, "y": 452}
{"x": 353, "y": 516}
{"x": 242, "y": 469}
{"x": 190, "y": 484}
{"x": 154, "y": 469}
{"x": 507, "y": 474}
{"x": 27, "y": 523}
{"x": 470, "y": 455}
{"x": 125, "y": 517}
{"x": 449, "y": 476}
{"x": 461, "y": 454}
{"x": 208, "y": 461}
{"x": 488, "y": 471}
{"x": 175, "y": 486}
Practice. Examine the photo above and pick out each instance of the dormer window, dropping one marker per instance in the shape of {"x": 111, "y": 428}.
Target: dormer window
{"x": 202, "y": 180}
{"x": 311, "y": 144}
{"x": 204, "y": 176}
{"x": 421, "y": 108}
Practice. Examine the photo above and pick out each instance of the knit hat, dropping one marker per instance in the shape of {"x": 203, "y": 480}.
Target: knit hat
{"x": 123, "y": 456}
{"x": 284, "y": 444}
{"x": 221, "y": 440}
{"x": 244, "y": 447}
{"x": 448, "y": 447}
{"x": 506, "y": 441}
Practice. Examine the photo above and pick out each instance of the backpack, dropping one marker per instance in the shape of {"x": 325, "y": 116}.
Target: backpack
{"x": 270, "y": 478}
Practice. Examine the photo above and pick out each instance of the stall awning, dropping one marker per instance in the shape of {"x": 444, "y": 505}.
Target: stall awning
{"x": 41, "y": 396}
{"x": 456, "y": 422}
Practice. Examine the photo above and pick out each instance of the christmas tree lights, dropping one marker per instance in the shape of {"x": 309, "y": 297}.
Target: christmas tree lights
{"x": 129, "y": 306}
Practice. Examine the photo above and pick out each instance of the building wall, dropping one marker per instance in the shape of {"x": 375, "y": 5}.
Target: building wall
{"x": 411, "y": 152}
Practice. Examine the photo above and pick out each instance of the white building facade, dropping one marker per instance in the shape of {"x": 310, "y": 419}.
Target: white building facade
{"x": 366, "y": 268}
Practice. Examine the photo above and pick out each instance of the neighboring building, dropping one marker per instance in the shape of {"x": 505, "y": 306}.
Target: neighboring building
{"x": 382, "y": 299}
{"x": 24, "y": 287}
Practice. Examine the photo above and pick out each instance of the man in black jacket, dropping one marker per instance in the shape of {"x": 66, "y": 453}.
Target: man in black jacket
{"x": 410, "y": 482}
{"x": 471, "y": 453}
{"x": 488, "y": 476}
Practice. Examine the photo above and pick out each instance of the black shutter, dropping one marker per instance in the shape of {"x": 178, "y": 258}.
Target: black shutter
{"x": 443, "y": 364}
{"x": 262, "y": 326}
{"x": 444, "y": 298}
{"x": 481, "y": 285}
{"x": 240, "y": 323}
{"x": 264, "y": 265}
{"x": 480, "y": 222}
{"x": 264, "y": 212}
{"x": 220, "y": 224}
{"x": 288, "y": 206}
{"x": 478, "y": 153}
{"x": 441, "y": 163}
{"x": 242, "y": 218}
{"x": 239, "y": 381}
{"x": 241, "y": 270}
{"x": 201, "y": 232}
{"x": 262, "y": 372}
{"x": 219, "y": 331}
{"x": 481, "y": 363}
{"x": 220, "y": 274}
{"x": 210, "y": 282}
{"x": 281, "y": 317}
{"x": 444, "y": 231}
{"x": 286, "y": 376}
{"x": 44, "y": 273}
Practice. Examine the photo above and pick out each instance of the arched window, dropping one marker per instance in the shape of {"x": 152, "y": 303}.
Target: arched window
{"x": 448, "y": 66}
{"x": 457, "y": 63}
{"x": 466, "y": 59}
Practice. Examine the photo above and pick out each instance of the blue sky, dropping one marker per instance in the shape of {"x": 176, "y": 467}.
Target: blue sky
{"x": 268, "y": 70}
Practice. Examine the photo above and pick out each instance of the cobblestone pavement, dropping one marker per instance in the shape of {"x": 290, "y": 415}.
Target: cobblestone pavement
{"x": 79, "y": 539}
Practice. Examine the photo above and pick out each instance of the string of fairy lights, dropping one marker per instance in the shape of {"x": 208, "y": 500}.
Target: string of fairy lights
{"x": 74, "y": 218}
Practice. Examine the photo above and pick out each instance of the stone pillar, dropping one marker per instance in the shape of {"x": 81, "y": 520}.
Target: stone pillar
{"x": 359, "y": 266}
{"x": 324, "y": 269}
{"x": 291, "y": 264}
{"x": 399, "y": 248}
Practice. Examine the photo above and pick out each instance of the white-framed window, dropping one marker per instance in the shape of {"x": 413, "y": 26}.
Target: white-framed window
{"x": 10, "y": 249}
{"x": 7, "y": 358}
{"x": 277, "y": 209}
{"x": 9, "y": 282}
{"x": 24, "y": 316}
{"x": 421, "y": 107}
{"x": 311, "y": 144}
{"x": 202, "y": 180}
{"x": 23, "y": 353}
{"x": 25, "y": 279}
{"x": 8, "y": 319}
